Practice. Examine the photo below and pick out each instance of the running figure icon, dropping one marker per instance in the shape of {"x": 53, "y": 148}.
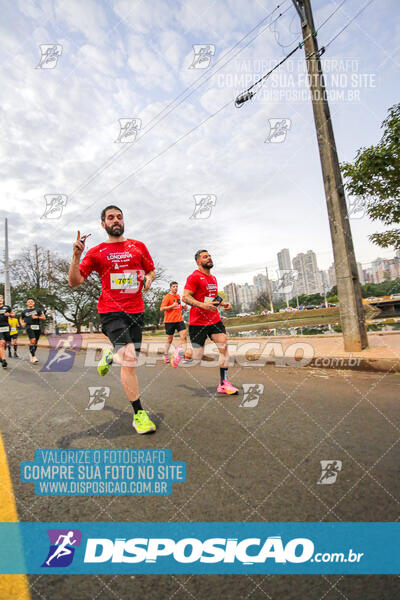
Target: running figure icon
{"x": 62, "y": 549}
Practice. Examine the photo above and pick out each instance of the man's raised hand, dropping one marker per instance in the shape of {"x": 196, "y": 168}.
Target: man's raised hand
{"x": 79, "y": 245}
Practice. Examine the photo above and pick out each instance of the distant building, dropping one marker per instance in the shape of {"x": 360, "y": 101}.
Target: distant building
{"x": 284, "y": 261}
{"x": 232, "y": 292}
{"x": 247, "y": 294}
{"x": 394, "y": 267}
{"x": 325, "y": 287}
{"x": 261, "y": 284}
{"x": 368, "y": 275}
{"x": 360, "y": 273}
{"x": 309, "y": 281}
{"x": 285, "y": 264}
{"x": 332, "y": 276}
{"x": 383, "y": 269}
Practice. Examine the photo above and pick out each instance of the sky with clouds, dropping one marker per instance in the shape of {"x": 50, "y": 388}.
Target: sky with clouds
{"x": 124, "y": 59}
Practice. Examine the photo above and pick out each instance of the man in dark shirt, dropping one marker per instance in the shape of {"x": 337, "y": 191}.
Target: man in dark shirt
{"x": 30, "y": 319}
{"x": 5, "y": 311}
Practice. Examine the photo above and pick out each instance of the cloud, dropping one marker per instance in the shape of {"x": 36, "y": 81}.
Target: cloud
{"x": 59, "y": 129}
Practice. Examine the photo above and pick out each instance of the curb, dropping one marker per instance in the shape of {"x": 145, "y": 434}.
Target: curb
{"x": 351, "y": 363}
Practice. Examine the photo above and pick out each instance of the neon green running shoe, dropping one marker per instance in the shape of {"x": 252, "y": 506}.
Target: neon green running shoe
{"x": 106, "y": 361}
{"x": 142, "y": 423}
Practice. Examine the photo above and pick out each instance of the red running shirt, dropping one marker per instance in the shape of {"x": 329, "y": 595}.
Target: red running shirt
{"x": 204, "y": 288}
{"x": 122, "y": 267}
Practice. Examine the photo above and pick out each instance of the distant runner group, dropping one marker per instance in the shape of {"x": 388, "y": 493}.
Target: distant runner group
{"x": 30, "y": 319}
{"x": 126, "y": 269}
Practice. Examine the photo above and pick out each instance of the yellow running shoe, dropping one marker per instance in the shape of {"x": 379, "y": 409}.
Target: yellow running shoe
{"x": 142, "y": 423}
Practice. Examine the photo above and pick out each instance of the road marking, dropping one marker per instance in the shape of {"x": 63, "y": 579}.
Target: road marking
{"x": 11, "y": 586}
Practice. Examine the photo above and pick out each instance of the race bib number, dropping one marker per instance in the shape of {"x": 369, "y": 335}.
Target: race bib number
{"x": 124, "y": 281}
{"x": 34, "y": 327}
{"x": 13, "y": 329}
{"x": 4, "y": 329}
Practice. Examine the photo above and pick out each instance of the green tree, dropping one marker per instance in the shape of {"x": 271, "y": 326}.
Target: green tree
{"x": 305, "y": 299}
{"x": 374, "y": 176}
{"x": 32, "y": 268}
{"x": 261, "y": 303}
{"x": 278, "y": 305}
{"x": 232, "y": 312}
{"x": 395, "y": 287}
{"x": 44, "y": 276}
{"x": 152, "y": 302}
{"x": 381, "y": 289}
{"x": 30, "y": 275}
{"x": 77, "y": 305}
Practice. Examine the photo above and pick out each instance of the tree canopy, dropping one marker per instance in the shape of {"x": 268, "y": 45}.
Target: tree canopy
{"x": 374, "y": 177}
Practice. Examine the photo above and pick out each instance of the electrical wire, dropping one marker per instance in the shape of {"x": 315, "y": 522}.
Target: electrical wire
{"x": 207, "y": 76}
{"x": 160, "y": 153}
{"x": 248, "y": 94}
{"x": 331, "y": 15}
{"x": 277, "y": 34}
{"x": 323, "y": 48}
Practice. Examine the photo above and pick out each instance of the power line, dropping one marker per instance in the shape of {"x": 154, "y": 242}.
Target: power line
{"x": 193, "y": 128}
{"x": 277, "y": 34}
{"x": 331, "y": 15}
{"x": 161, "y": 153}
{"x": 248, "y": 94}
{"x": 323, "y": 48}
{"x": 207, "y": 76}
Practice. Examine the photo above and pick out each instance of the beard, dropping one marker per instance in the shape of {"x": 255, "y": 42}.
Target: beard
{"x": 209, "y": 264}
{"x": 115, "y": 230}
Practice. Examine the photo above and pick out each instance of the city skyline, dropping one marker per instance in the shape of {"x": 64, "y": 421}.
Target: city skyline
{"x": 309, "y": 279}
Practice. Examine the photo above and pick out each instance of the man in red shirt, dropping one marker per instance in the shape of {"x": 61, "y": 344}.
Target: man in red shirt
{"x": 125, "y": 268}
{"x": 201, "y": 292}
{"x": 173, "y": 321}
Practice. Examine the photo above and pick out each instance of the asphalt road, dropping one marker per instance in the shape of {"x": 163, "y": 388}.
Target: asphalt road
{"x": 258, "y": 463}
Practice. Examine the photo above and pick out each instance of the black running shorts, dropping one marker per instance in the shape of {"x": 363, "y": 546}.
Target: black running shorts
{"x": 170, "y": 328}
{"x": 4, "y": 335}
{"x": 123, "y": 328}
{"x": 33, "y": 334}
{"x": 198, "y": 333}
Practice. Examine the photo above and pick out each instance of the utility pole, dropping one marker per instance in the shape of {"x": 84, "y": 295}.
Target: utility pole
{"x": 7, "y": 289}
{"x": 269, "y": 291}
{"x": 52, "y": 313}
{"x": 348, "y": 284}
{"x": 296, "y": 294}
{"x": 37, "y": 270}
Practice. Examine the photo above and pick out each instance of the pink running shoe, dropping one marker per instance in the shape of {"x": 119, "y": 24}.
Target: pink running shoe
{"x": 166, "y": 358}
{"x": 227, "y": 388}
{"x": 177, "y": 357}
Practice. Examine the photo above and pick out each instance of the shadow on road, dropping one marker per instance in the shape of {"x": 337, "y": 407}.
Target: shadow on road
{"x": 120, "y": 425}
{"x": 197, "y": 391}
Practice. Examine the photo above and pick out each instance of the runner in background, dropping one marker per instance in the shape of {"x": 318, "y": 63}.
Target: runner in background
{"x": 5, "y": 311}
{"x": 172, "y": 308}
{"x": 30, "y": 319}
{"x": 201, "y": 293}
{"x": 13, "y": 323}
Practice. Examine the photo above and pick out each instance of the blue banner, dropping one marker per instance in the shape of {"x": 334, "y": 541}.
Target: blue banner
{"x": 99, "y": 472}
{"x": 200, "y": 548}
